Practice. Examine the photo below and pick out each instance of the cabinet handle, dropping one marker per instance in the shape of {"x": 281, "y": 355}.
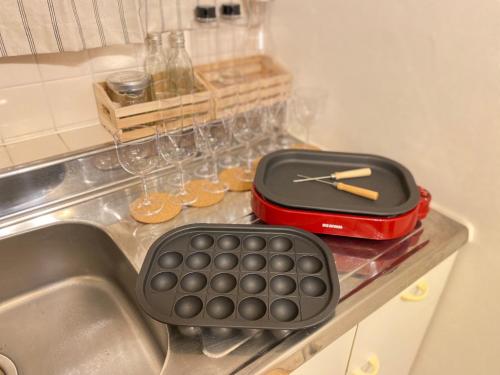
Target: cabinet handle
{"x": 421, "y": 293}
{"x": 373, "y": 365}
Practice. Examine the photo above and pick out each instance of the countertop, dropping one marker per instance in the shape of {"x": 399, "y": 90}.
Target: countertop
{"x": 91, "y": 188}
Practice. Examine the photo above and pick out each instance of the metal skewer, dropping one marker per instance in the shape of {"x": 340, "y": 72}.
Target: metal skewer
{"x": 355, "y": 190}
{"x": 353, "y": 173}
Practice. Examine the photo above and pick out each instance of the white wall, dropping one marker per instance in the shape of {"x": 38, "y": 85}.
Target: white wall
{"x": 52, "y": 93}
{"x": 418, "y": 81}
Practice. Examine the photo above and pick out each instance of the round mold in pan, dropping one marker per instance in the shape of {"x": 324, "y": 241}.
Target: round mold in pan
{"x": 193, "y": 282}
{"x": 253, "y": 283}
{"x": 283, "y": 285}
{"x": 220, "y": 307}
{"x": 280, "y": 244}
{"x": 198, "y": 261}
{"x": 170, "y": 259}
{"x": 226, "y": 261}
{"x": 202, "y": 241}
{"x": 164, "y": 281}
{"x": 228, "y": 242}
{"x": 253, "y": 262}
{"x": 284, "y": 310}
{"x": 223, "y": 283}
{"x": 188, "y": 307}
{"x": 312, "y": 286}
{"x": 276, "y": 172}
{"x": 254, "y": 243}
{"x": 252, "y": 308}
{"x": 281, "y": 263}
{"x": 309, "y": 264}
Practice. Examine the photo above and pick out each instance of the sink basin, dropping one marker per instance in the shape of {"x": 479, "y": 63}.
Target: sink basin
{"x": 67, "y": 306}
{"x": 27, "y": 189}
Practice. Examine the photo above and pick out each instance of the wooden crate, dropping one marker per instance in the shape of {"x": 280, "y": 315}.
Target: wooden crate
{"x": 126, "y": 118}
{"x": 262, "y": 82}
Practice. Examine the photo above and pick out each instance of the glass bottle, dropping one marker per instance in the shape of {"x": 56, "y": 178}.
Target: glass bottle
{"x": 204, "y": 34}
{"x": 229, "y": 40}
{"x": 259, "y": 38}
{"x": 155, "y": 64}
{"x": 179, "y": 72}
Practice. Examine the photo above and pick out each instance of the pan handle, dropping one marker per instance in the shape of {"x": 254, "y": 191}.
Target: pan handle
{"x": 424, "y": 204}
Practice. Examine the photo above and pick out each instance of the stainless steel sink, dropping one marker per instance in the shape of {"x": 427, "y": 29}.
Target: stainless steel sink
{"x": 67, "y": 306}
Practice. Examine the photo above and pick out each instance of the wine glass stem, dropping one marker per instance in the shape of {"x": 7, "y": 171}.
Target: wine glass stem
{"x": 274, "y": 134}
{"x": 145, "y": 201}
{"x": 182, "y": 179}
{"x": 215, "y": 176}
{"x": 248, "y": 159}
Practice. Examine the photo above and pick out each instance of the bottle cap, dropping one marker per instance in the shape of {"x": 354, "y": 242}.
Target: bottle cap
{"x": 230, "y": 10}
{"x": 128, "y": 81}
{"x": 205, "y": 13}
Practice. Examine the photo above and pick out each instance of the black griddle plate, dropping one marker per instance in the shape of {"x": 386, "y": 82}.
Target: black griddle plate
{"x": 239, "y": 276}
{"x": 398, "y": 190}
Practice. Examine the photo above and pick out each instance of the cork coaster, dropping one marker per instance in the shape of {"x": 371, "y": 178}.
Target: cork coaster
{"x": 205, "y": 198}
{"x": 168, "y": 212}
{"x": 229, "y": 177}
{"x": 304, "y": 146}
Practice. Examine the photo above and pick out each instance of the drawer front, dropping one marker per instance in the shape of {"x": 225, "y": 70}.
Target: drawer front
{"x": 387, "y": 341}
{"x": 332, "y": 360}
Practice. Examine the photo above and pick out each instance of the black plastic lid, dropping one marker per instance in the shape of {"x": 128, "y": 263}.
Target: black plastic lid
{"x": 230, "y": 10}
{"x": 205, "y": 13}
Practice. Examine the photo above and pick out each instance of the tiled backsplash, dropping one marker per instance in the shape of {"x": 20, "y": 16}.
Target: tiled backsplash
{"x": 47, "y": 104}
{"x": 49, "y": 94}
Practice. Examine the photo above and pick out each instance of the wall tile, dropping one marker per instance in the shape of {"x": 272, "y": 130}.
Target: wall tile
{"x": 36, "y": 149}
{"x": 24, "y": 110}
{"x": 63, "y": 65}
{"x": 113, "y": 58}
{"x": 86, "y": 137}
{"x": 17, "y": 71}
{"x": 4, "y": 158}
{"x": 71, "y": 100}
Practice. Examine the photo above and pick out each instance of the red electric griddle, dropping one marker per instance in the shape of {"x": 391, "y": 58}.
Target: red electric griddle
{"x": 320, "y": 208}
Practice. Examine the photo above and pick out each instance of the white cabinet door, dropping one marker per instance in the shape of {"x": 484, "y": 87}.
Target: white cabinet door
{"x": 332, "y": 360}
{"x": 387, "y": 341}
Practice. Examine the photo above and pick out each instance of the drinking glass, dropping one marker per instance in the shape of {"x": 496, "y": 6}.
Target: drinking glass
{"x": 309, "y": 104}
{"x": 139, "y": 157}
{"x": 286, "y": 122}
{"x": 274, "y": 124}
{"x": 216, "y": 136}
{"x": 204, "y": 170}
{"x": 228, "y": 114}
{"x": 177, "y": 146}
{"x": 246, "y": 132}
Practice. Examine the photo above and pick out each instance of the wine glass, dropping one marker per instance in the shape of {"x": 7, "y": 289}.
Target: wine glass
{"x": 204, "y": 169}
{"x": 177, "y": 146}
{"x": 246, "y": 132}
{"x": 228, "y": 114}
{"x": 309, "y": 104}
{"x": 216, "y": 136}
{"x": 139, "y": 157}
{"x": 285, "y": 122}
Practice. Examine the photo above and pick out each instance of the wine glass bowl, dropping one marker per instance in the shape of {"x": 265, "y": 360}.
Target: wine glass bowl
{"x": 176, "y": 147}
{"x": 216, "y": 136}
{"x": 309, "y": 104}
{"x": 246, "y": 132}
{"x": 139, "y": 157}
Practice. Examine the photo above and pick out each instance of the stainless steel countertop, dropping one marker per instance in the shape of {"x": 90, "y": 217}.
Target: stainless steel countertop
{"x": 370, "y": 272}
